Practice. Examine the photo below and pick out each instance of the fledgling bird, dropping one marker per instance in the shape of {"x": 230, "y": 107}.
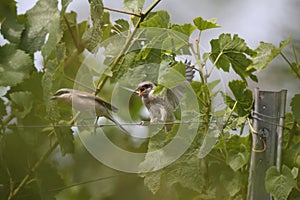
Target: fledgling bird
{"x": 161, "y": 109}
{"x": 86, "y": 102}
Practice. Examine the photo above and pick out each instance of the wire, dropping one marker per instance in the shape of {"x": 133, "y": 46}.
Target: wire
{"x": 253, "y": 131}
{"x": 87, "y": 182}
{"x": 104, "y": 125}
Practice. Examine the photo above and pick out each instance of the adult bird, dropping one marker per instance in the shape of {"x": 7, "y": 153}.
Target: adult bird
{"x": 161, "y": 108}
{"x": 86, "y": 102}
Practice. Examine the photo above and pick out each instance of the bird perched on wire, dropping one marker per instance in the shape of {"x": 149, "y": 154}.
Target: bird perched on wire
{"x": 86, "y": 102}
{"x": 161, "y": 108}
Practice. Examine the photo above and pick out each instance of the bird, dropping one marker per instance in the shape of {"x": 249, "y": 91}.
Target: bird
{"x": 86, "y": 102}
{"x": 161, "y": 108}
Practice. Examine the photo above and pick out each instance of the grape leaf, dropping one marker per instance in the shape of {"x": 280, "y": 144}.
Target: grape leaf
{"x": 186, "y": 29}
{"x": 238, "y": 154}
{"x": 232, "y": 51}
{"x": 15, "y": 65}
{"x": 243, "y": 97}
{"x": 121, "y": 25}
{"x": 266, "y": 52}
{"x": 65, "y": 137}
{"x": 202, "y": 24}
{"x": 134, "y": 6}
{"x": 92, "y": 37}
{"x": 279, "y": 184}
{"x": 295, "y": 102}
{"x": 22, "y": 103}
{"x": 160, "y": 19}
{"x": 42, "y": 20}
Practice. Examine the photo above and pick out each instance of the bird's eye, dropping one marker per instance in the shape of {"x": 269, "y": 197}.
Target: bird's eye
{"x": 60, "y": 93}
{"x": 142, "y": 89}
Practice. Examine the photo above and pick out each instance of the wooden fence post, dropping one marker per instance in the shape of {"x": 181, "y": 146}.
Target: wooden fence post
{"x": 268, "y": 119}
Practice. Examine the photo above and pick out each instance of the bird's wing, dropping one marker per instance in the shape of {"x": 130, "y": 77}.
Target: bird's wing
{"x": 99, "y": 100}
{"x": 189, "y": 71}
{"x": 175, "y": 95}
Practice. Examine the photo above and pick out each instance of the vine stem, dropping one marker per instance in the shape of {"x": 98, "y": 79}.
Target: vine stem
{"x": 32, "y": 170}
{"x": 126, "y": 45}
{"x": 290, "y": 64}
{"x": 38, "y": 163}
{"x": 121, "y": 11}
{"x": 228, "y": 118}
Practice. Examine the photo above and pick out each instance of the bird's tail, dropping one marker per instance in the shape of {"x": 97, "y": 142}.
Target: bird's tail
{"x": 118, "y": 124}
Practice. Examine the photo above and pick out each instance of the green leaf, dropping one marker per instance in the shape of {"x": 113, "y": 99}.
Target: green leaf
{"x": 159, "y": 19}
{"x": 152, "y": 181}
{"x": 228, "y": 51}
{"x": 127, "y": 62}
{"x": 266, "y": 52}
{"x": 22, "y": 103}
{"x": 15, "y": 65}
{"x": 295, "y": 102}
{"x": 295, "y": 69}
{"x": 210, "y": 140}
{"x": 47, "y": 178}
{"x": 238, "y": 154}
{"x": 279, "y": 184}
{"x": 134, "y": 6}
{"x": 11, "y": 25}
{"x": 183, "y": 172}
{"x": 202, "y": 24}
{"x": 133, "y": 76}
{"x": 42, "y": 19}
{"x": 92, "y": 37}
{"x": 295, "y": 172}
{"x": 12, "y": 30}
{"x": 65, "y": 137}
{"x": 186, "y": 29}
{"x": 3, "y": 91}
{"x": 121, "y": 25}
{"x": 243, "y": 97}
{"x": 51, "y": 80}
{"x": 171, "y": 77}
{"x": 176, "y": 43}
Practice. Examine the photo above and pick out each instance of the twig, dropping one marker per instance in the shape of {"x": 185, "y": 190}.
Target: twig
{"x": 126, "y": 45}
{"x": 38, "y": 163}
{"x": 7, "y": 120}
{"x": 122, "y": 11}
{"x": 33, "y": 169}
{"x": 230, "y": 114}
{"x": 78, "y": 46}
{"x": 78, "y": 83}
{"x": 290, "y": 64}
{"x": 87, "y": 182}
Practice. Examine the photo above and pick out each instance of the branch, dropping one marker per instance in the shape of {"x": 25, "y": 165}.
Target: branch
{"x": 121, "y": 11}
{"x": 75, "y": 40}
{"x": 230, "y": 114}
{"x": 38, "y": 163}
{"x": 126, "y": 46}
{"x": 32, "y": 170}
{"x": 290, "y": 64}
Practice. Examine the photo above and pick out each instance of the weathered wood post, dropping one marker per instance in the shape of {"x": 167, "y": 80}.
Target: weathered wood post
{"x": 268, "y": 119}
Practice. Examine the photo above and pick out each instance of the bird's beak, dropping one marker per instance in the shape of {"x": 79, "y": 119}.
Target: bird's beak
{"x": 141, "y": 91}
{"x": 52, "y": 97}
{"x": 131, "y": 90}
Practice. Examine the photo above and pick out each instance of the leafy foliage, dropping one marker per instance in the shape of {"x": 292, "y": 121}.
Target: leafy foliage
{"x": 232, "y": 51}
{"x": 144, "y": 48}
{"x": 279, "y": 184}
